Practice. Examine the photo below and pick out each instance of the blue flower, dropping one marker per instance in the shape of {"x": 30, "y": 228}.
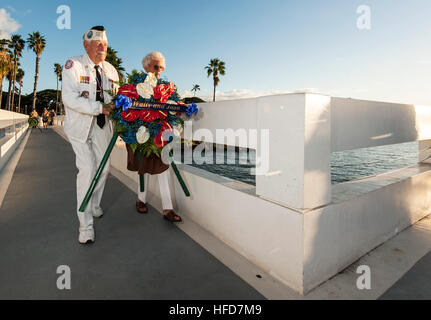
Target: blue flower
{"x": 153, "y": 128}
{"x": 123, "y": 101}
{"x": 192, "y": 109}
{"x": 130, "y": 136}
{"x": 139, "y": 79}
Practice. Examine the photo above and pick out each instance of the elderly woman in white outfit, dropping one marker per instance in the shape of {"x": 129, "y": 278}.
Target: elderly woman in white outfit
{"x": 153, "y": 62}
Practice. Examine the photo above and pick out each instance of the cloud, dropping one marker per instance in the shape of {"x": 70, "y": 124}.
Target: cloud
{"x": 11, "y": 9}
{"x": 187, "y": 93}
{"x": 244, "y": 93}
{"x": 7, "y": 24}
{"x": 227, "y": 95}
{"x": 26, "y": 12}
{"x": 234, "y": 94}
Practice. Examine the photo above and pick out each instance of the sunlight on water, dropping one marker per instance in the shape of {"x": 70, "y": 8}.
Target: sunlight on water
{"x": 360, "y": 163}
{"x": 345, "y": 165}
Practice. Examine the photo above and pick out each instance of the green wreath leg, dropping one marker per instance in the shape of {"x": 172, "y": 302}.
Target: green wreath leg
{"x": 141, "y": 176}
{"x": 180, "y": 179}
{"x": 98, "y": 173}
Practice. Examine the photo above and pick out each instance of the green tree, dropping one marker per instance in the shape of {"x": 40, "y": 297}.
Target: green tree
{"x": 5, "y": 66}
{"x": 9, "y": 77}
{"x": 112, "y": 58}
{"x": 16, "y": 44}
{"x": 37, "y": 43}
{"x": 134, "y": 73}
{"x": 57, "y": 71}
{"x": 196, "y": 88}
{"x": 4, "y": 44}
{"x": 19, "y": 76}
{"x": 216, "y": 67}
{"x": 45, "y": 99}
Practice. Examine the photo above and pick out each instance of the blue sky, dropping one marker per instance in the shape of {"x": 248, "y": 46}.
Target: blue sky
{"x": 272, "y": 46}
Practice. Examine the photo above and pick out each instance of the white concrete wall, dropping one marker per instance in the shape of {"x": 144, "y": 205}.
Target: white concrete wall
{"x": 9, "y": 115}
{"x": 361, "y": 123}
{"x": 337, "y": 235}
{"x": 10, "y": 142}
{"x": 278, "y": 229}
{"x": 297, "y": 174}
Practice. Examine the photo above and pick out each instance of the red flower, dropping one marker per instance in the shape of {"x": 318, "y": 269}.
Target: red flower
{"x": 160, "y": 140}
{"x": 130, "y": 115}
{"x": 162, "y": 114}
{"x": 128, "y": 90}
{"x": 162, "y": 92}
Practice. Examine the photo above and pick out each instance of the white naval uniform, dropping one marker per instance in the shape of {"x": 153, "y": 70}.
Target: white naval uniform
{"x": 88, "y": 140}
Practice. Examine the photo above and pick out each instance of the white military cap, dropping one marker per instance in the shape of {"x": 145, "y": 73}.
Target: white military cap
{"x": 95, "y": 33}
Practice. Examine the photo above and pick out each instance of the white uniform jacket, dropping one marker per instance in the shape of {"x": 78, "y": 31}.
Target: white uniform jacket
{"x": 78, "y": 79}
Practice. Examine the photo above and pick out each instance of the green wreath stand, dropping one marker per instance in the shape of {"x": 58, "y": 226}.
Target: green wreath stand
{"x": 141, "y": 176}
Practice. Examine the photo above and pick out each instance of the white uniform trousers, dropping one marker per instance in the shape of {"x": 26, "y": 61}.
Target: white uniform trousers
{"x": 88, "y": 157}
{"x": 165, "y": 191}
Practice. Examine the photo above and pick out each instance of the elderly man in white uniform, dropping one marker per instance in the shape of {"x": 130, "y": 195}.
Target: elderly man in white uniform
{"x": 89, "y": 130}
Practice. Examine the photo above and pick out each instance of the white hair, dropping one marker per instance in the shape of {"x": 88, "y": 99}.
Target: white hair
{"x": 150, "y": 57}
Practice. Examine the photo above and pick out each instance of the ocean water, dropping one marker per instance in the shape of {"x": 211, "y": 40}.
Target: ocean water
{"x": 345, "y": 165}
{"x": 355, "y": 164}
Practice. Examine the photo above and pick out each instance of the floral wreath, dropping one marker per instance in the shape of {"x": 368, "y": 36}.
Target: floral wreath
{"x": 143, "y": 129}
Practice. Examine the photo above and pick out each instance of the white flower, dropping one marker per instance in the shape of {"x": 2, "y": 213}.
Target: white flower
{"x": 142, "y": 135}
{"x": 146, "y": 88}
{"x": 151, "y": 79}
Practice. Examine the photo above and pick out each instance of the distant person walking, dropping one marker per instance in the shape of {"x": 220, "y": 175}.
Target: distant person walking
{"x": 45, "y": 117}
{"x": 51, "y": 117}
{"x": 34, "y": 114}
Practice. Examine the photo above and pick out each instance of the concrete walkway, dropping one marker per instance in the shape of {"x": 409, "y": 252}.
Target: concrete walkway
{"x": 134, "y": 257}
{"x": 414, "y": 285}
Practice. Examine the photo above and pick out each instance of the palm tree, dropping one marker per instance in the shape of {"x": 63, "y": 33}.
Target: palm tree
{"x": 19, "y": 77}
{"x": 3, "y": 43}
{"x": 36, "y": 42}
{"x": 57, "y": 71}
{"x": 215, "y": 67}
{"x": 196, "y": 88}
{"x": 9, "y": 77}
{"x": 16, "y": 44}
{"x": 111, "y": 57}
{"x": 5, "y": 65}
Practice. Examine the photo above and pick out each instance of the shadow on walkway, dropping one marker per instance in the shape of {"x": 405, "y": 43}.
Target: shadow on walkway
{"x": 134, "y": 257}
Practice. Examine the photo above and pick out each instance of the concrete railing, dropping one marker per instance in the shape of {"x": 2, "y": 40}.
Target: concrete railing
{"x": 304, "y": 129}
{"x": 294, "y": 224}
{"x": 12, "y": 127}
